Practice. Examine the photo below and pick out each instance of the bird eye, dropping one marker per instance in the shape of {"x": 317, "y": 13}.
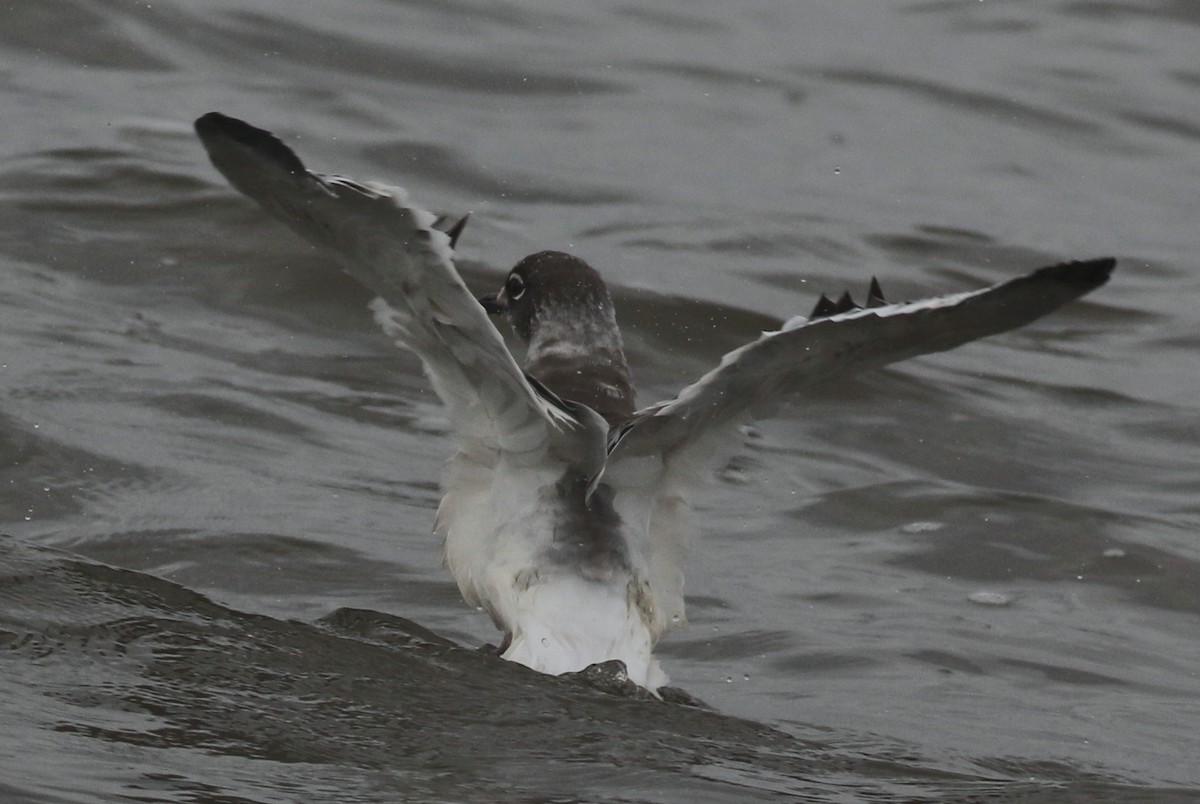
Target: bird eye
{"x": 514, "y": 288}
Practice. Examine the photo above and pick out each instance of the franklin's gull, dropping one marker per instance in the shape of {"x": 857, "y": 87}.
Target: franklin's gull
{"x": 567, "y": 509}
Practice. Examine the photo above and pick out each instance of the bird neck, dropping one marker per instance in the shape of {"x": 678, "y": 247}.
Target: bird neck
{"x": 581, "y": 357}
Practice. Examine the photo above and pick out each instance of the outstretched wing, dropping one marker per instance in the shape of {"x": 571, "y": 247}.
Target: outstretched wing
{"x": 506, "y": 426}
{"x": 397, "y": 250}
{"x": 830, "y": 347}
{"x": 668, "y": 448}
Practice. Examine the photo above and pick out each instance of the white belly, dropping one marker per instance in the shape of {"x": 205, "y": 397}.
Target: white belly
{"x": 565, "y": 623}
{"x": 509, "y": 551}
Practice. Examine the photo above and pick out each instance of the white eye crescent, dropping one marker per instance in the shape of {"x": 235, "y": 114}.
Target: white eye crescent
{"x": 514, "y": 288}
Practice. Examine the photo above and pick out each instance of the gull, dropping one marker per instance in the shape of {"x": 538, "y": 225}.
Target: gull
{"x": 567, "y": 509}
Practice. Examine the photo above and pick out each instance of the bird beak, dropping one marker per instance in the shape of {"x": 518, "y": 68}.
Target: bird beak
{"x": 494, "y": 303}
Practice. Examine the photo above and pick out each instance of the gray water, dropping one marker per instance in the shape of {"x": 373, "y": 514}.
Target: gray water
{"x": 973, "y": 577}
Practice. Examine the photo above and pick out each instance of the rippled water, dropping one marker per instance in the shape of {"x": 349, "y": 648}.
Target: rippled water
{"x": 974, "y": 577}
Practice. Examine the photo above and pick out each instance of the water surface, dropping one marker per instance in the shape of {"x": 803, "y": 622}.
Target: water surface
{"x": 971, "y": 577}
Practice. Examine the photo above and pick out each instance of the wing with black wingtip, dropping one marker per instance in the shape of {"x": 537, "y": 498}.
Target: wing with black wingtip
{"x": 664, "y": 452}
{"x": 505, "y": 425}
{"x": 401, "y": 253}
{"x": 841, "y": 339}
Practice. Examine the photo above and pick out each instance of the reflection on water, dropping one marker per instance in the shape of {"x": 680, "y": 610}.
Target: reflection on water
{"x": 971, "y": 578}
